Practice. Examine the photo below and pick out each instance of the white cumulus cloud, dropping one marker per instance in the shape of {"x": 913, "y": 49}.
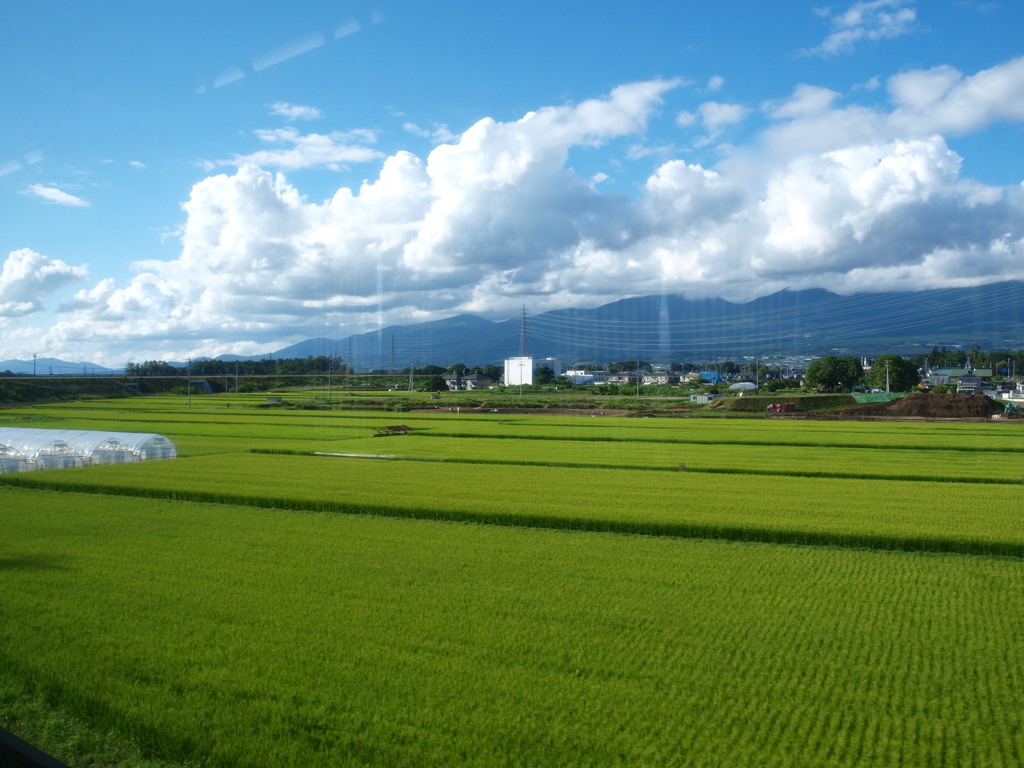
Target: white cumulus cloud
{"x": 685, "y": 119}
{"x": 293, "y": 150}
{"x": 871, "y": 20}
{"x": 846, "y": 198}
{"x": 294, "y": 111}
{"x": 439, "y": 134}
{"x": 54, "y": 195}
{"x": 28, "y": 278}
{"x": 805, "y": 100}
{"x": 943, "y": 100}
{"x": 717, "y": 117}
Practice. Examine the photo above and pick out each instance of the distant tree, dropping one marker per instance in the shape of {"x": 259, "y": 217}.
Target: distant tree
{"x": 156, "y": 368}
{"x": 543, "y": 376}
{"x": 776, "y": 384}
{"x": 458, "y": 368}
{"x": 833, "y": 374}
{"x": 947, "y": 358}
{"x": 976, "y": 355}
{"x": 431, "y": 370}
{"x": 615, "y": 389}
{"x": 630, "y": 365}
{"x": 1005, "y": 362}
{"x": 919, "y": 360}
{"x": 903, "y": 374}
{"x": 492, "y": 372}
{"x": 728, "y": 368}
{"x": 434, "y": 383}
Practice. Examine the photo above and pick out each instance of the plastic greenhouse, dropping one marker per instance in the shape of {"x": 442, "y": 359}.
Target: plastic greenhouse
{"x": 25, "y": 450}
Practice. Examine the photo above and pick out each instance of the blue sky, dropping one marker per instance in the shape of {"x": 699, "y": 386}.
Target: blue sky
{"x": 184, "y": 179}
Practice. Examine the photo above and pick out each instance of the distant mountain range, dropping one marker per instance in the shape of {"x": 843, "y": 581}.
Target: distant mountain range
{"x": 46, "y": 366}
{"x": 671, "y": 328}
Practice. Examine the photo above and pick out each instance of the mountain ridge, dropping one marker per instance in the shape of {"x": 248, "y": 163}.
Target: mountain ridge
{"x": 670, "y": 327}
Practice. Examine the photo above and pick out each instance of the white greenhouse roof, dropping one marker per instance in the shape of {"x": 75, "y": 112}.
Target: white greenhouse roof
{"x": 33, "y": 443}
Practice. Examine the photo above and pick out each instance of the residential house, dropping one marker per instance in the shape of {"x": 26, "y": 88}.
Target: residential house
{"x": 660, "y": 378}
{"x": 459, "y": 382}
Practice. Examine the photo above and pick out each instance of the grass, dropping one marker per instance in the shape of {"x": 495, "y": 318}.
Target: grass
{"x": 516, "y": 603}
{"x": 930, "y": 516}
{"x": 796, "y": 460}
{"x": 172, "y": 418}
{"x": 262, "y": 637}
{"x": 64, "y": 735}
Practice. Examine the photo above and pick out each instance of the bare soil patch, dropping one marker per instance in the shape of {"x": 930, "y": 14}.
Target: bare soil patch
{"x": 921, "y": 405}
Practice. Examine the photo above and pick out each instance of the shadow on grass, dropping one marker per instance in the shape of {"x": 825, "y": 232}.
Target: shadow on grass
{"x": 34, "y": 563}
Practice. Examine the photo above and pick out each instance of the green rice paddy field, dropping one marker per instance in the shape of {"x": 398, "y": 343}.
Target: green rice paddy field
{"x": 524, "y": 590}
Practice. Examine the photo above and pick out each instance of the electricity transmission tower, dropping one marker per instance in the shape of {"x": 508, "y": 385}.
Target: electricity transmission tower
{"x": 522, "y": 331}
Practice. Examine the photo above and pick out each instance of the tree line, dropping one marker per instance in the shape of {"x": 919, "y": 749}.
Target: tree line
{"x": 898, "y": 374}
{"x": 975, "y": 357}
{"x": 291, "y": 366}
{"x": 287, "y": 366}
{"x": 830, "y": 373}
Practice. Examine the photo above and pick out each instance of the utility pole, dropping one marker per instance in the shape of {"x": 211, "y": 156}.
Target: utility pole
{"x": 412, "y": 370}
{"x": 236, "y": 377}
{"x": 329, "y": 376}
{"x": 391, "y": 364}
{"x": 638, "y": 374}
{"x": 348, "y": 363}
{"x": 887, "y": 376}
{"x": 189, "y": 382}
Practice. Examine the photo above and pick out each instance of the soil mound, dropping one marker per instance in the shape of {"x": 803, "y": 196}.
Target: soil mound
{"x": 934, "y": 406}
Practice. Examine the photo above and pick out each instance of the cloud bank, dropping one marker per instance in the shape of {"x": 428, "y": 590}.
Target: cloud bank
{"x": 846, "y": 198}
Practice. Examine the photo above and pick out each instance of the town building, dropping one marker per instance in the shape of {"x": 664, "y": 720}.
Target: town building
{"x": 523, "y": 370}
{"x": 580, "y": 378}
